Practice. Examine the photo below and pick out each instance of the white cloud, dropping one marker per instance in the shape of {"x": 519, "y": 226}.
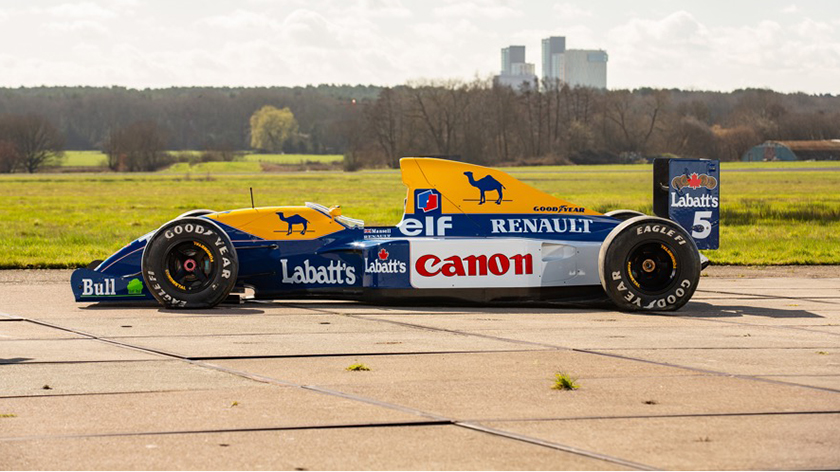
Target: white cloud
{"x": 379, "y": 8}
{"x": 77, "y": 26}
{"x": 569, "y": 11}
{"x": 479, "y": 8}
{"x": 792, "y": 8}
{"x": 80, "y": 10}
{"x": 239, "y": 19}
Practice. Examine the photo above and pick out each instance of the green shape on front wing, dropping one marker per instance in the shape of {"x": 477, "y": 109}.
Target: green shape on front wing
{"x": 135, "y": 287}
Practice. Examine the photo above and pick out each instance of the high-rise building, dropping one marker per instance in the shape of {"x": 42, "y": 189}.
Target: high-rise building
{"x": 515, "y": 71}
{"x": 585, "y": 68}
{"x": 552, "y": 50}
{"x": 512, "y": 55}
{"x": 575, "y": 67}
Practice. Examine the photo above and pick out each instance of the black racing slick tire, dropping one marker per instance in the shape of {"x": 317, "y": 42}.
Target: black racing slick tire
{"x": 623, "y": 215}
{"x": 200, "y": 212}
{"x": 649, "y": 263}
{"x": 190, "y": 263}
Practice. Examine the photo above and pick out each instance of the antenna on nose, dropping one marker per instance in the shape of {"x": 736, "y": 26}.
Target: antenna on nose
{"x": 252, "y": 196}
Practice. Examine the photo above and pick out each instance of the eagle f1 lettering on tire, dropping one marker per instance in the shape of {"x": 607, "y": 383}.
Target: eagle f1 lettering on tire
{"x": 198, "y": 262}
{"x": 649, "y": 263}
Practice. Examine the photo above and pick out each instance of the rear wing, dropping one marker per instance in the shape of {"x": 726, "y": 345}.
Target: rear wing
{"x": 687, "y": 191}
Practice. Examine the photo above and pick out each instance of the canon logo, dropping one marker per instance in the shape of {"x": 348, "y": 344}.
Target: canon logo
{"x": 430, "y": 265}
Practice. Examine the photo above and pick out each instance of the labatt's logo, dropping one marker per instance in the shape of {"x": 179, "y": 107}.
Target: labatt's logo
{"x": 381, "y": 265}
{"x": 431, "y": 265}
{"x": 91, "y": 288}
{"x": 337, "y": 273}
{"x": 693, "y": 181}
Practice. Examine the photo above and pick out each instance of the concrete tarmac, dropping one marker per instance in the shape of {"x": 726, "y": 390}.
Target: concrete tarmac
{"x": 746, "y": 376}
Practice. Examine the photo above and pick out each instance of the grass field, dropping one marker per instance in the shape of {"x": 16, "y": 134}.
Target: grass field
{"x": 84, "y": 159}
{"x": 67, "y": 220}
{"x": 294, "y": 158}
{"x": 98, "y": 159}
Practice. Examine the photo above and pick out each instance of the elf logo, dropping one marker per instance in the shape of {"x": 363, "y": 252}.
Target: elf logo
{"x": 428, "y": 200}
{"x": 91, "y": 288}
{"x": 498, "y": 265}
{"x": 428, "y": 226}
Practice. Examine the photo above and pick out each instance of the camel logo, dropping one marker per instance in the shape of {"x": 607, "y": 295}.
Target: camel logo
{"x": 694, "y": 181}
{"x": 428, "y": 200}
{"x": 292, "y": 221}
{"x": 486, "y": 184}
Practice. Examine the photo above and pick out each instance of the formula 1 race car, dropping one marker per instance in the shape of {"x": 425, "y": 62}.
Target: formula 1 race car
{"x": 469, "y": 234}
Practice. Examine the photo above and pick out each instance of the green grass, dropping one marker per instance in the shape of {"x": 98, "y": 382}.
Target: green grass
{"x": 67, "y": 220}
{"x": 294, "y": 158}
{"x": 84, "y": 159}
{"x": 358, "y": 368}
{"x": 99, "y": 159}
{"x": 234, "y": 167}
{"x": 563, "y": 381}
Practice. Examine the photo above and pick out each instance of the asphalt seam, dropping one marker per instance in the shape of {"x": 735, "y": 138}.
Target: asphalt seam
{"x": 103, "y": 361}
{"x": 774, "y": 297}
{"x": 554, "y": 445}
{"x": 358, "y": 354}
{"x": 432, "y": 416}
{"x": 740, "y": 323}
{"x": 269, "y": 380}
{"x": 465, "y": 424}
{"x": 596, "y": 352}
{"x": 233, "y": 430}
{"x": 665, "y": 416}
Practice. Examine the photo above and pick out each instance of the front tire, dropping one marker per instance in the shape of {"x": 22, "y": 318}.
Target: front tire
{"x": 649, "y": 263}
{"x": 190, "y": 263}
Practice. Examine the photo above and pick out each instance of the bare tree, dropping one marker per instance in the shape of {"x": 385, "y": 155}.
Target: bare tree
{"x": 139, "y": 147}
{"x": 32, "y": 142}
{"x": 9, "y": 158}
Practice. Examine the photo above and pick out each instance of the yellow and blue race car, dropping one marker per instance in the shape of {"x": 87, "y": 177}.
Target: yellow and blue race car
{"x": 469, "y": 234}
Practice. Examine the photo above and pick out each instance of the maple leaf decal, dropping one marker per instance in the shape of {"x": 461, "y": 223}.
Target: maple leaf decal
{"x": 694, "y": 181}
{"x": 383, "y": 254}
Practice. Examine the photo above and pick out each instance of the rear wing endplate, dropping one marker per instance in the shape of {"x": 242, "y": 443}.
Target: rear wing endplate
{"x": 687, "y": 191}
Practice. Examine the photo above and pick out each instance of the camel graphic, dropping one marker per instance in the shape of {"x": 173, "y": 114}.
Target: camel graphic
{"x": 486, "y": 183}
{"x": 294, "y": 220}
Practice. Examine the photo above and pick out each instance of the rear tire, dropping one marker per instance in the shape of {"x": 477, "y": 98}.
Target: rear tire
{"x": 649, "y": 263}
{"x": 623, "y": 215}
{"x": 190, "y": 263}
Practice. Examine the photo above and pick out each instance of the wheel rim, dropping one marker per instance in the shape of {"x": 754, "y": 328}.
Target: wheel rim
{"x": 190, "y": 266}
{"x": 652, "y": 267}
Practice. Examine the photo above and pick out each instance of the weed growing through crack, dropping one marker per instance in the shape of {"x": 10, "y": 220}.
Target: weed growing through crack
{"x": 358, "y": 367}
{"x": 563, "y": 381}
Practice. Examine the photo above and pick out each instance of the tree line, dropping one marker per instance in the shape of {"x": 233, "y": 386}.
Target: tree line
{"x": 474, "y": 121}
{"x": 554, "y": 124}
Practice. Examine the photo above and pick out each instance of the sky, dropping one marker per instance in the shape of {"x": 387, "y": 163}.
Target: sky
{"x": 785, "y": 45}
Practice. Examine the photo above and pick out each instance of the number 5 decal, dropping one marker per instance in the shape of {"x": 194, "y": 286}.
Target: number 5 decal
{"x": 701, "y": 219}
